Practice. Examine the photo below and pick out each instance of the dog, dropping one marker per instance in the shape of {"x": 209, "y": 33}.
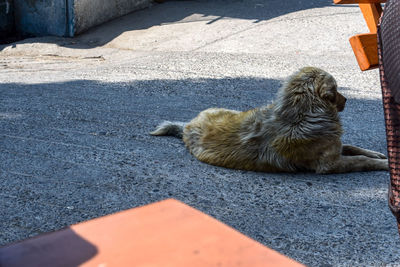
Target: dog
{"x": 299, "y": 132}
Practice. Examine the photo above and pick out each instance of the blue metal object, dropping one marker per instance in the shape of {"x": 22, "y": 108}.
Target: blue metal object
{"x": 69, "y": 18}
{"x": 64, "y": 17}
{"x": 42, "y": 17}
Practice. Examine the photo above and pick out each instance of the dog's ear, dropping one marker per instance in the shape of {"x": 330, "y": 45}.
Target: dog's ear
{"x": 326, "y": 88}
{"x": 299, "y": 93}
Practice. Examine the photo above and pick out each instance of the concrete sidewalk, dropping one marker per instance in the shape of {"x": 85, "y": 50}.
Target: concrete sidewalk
{"x": 75, "y": 116}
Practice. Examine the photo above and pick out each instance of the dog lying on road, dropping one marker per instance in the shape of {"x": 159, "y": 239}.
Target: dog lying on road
{"x": 300, "y": 131}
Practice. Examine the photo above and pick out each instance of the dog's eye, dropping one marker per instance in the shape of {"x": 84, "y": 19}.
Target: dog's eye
{"x": 335, "y": 97}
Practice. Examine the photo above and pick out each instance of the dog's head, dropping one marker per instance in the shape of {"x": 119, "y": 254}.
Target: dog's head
{"x": 315, "y": 85}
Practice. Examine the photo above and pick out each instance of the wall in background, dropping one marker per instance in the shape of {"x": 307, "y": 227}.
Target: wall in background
{"x": 66, "y": 17}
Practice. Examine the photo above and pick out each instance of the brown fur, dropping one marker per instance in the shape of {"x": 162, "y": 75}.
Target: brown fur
{"x": 300, "y": 131}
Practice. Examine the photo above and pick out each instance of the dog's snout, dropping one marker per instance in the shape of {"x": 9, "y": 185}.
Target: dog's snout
{"x": 341, "y": 102}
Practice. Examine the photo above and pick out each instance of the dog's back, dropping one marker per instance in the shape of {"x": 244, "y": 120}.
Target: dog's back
{"x": 234, "y": 139}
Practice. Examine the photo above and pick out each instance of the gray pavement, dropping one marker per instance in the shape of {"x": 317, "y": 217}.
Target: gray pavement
{"x": 75, "y": 116}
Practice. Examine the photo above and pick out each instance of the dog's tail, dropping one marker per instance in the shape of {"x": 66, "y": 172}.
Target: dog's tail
{"x": 174, "y": 128}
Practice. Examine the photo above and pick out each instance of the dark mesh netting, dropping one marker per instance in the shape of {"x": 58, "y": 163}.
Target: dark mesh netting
{"x": 389, "y": 66}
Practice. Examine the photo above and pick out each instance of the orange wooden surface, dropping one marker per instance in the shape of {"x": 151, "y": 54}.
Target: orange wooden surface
{"x": 365, "y": 48}
{"x": 167, "y": 233}
{"x": 371, "y": 13}
{"x": 357, "y": 1}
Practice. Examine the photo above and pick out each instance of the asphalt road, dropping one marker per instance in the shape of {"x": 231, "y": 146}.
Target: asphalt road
{"x": 75, "y": 116}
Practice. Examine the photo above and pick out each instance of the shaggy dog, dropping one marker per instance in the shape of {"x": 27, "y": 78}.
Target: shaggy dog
{"x": 299, "y": 131}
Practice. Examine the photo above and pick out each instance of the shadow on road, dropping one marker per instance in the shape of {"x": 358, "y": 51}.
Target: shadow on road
{"x": 172, "y": 12}
{"x": 85, "y": 145}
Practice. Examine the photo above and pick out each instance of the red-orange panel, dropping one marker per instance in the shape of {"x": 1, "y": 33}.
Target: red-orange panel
{"x": 167, "y": 233}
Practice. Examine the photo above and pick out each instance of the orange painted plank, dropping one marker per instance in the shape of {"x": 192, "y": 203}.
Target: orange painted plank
{"x": 357, "y": 1}
{"x": 365, "y": 48}
{"x": 167, "y": 233}
{"x": 371, "y": 13}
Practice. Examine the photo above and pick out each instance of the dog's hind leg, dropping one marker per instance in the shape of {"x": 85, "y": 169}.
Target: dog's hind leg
{"x": 349, "y": 150}
{"x": 358, "y": 163}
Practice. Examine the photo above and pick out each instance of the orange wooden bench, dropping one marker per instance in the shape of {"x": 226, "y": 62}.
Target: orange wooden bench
{"x": 365, "y": 46}
{"x": 166, "y": 233}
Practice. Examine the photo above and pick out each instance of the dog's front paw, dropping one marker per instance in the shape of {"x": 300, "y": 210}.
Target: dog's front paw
{"x": 385, "y": 164}
{"x": 377, "y": 155}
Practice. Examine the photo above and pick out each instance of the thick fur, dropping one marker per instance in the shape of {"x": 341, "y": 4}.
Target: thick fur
{"x": 300, "y": 131}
